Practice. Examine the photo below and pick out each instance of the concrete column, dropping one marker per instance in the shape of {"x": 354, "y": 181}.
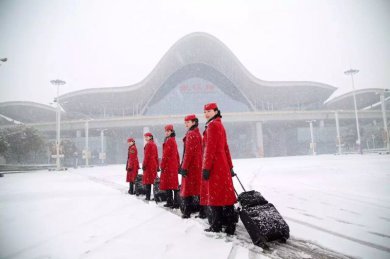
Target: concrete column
{"x": 259, "y": 139}
{"x": 383, "y": 107}
{"x": 86, "y": 143}
{"x": 338, "y": 132}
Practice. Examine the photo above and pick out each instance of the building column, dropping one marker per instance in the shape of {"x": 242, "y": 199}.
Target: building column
{"x": 338, "y": 137}
{"x": 259, "y": 139}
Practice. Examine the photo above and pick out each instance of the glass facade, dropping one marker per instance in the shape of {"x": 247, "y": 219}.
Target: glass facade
{"x": 188, "y": 89}
{"x": 190, "y": 95}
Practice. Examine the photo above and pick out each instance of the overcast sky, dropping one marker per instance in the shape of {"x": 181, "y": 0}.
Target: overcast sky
{"x": 116, "y": 43}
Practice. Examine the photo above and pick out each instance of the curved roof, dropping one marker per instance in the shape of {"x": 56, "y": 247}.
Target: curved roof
{"x": 365, "y": 99}
{"x": 26, "y": 112}
{"x": 17, "y": 112}
{"x": 192, "y": 56}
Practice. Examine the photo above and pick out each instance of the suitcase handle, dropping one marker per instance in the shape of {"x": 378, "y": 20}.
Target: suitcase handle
{"x": 242, "y": 186}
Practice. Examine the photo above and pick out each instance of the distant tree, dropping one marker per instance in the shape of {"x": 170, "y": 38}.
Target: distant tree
{"x": 25, "y": 145}
{"x": 68, "y": 148}
{"x": 3, "y": 144}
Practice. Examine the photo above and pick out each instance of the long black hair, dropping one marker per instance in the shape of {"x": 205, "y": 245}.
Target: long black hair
{"x": 218, "y": 114}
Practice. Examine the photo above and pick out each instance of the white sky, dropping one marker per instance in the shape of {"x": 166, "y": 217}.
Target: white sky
{"x": 100, "y": 43}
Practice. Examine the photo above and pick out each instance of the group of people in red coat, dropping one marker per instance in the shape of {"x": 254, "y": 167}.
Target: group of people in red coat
{"x": 206, "y": 169}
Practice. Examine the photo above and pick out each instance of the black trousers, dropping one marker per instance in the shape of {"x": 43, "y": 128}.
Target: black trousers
{"x": 169, "y": 197}
{"x": 203, "y": 212}
{"x": 222, "y": 215}
{"x": 187, "y": 205}
{"x": 148, "y": 188}
{"x": 172, "y": 198}
{"x": 131, "y": 188}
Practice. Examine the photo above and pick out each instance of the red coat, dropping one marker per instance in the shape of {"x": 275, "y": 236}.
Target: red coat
{"x": 132, "y": 165}
{"x": 218, "y": 190}
{"x": 150, "y": 163}
{"x": 192, "y": 162}
{"x": 170, "y": 161}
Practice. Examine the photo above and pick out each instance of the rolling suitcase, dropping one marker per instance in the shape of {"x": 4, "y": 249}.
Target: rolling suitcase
{"x": 159, "y": 195}
{"x": 139, "y": 188}
{"x": 261, "y": 219}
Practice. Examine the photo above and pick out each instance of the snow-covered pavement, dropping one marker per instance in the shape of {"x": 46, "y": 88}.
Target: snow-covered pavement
{"x": 338, "y": 202}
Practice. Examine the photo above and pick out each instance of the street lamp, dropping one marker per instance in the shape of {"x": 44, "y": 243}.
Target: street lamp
{"x": 312, "y": 144}
{"x": 57, "y": 83}
{"x": 351, "y": 72}
{"x": 3, "y": 60}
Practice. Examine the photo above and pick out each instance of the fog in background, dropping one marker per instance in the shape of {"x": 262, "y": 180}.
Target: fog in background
{"x": 117, "y": 43}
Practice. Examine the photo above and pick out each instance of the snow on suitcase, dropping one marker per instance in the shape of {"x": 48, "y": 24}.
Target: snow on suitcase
{"x": 261, "y": 219}
{"x": 158, "y": 194}
{"x": 139, "y": 187}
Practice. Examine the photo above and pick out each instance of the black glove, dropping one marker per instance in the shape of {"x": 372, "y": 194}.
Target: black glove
{"x": 206, "y": 174}
{"x": 158, "y": 169}
{"x": 232, "y": 172}
{"x": 183, "y": 172}
{"x": 143, "y": 168}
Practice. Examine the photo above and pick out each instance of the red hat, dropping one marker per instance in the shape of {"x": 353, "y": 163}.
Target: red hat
{"x": 210, "y": 106}
{"x": 130, "y": 140}
{"x": 148, "y": 134}
{"x": 190, "y": 117}
{"x": 169, "y": 127}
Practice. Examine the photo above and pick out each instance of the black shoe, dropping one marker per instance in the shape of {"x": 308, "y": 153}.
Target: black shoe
{"x": 168, "y": 205}
{"x": 184, "y": 216}
{"x": 211, "y": 229}
{"x": 201, "y": 216}
{"x": 230, "y": 230}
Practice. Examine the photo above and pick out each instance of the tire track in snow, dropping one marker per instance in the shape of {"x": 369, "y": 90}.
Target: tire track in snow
{"x": 293, "y": 249}
{"x": 362, "y": 242}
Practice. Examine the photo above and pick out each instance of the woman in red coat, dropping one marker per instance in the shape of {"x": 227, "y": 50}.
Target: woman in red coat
{"x": 132, "y": 164}
{"x": 217, "y": 184}
{"x": 191, "y": 166}
{"x": 150, "y": 164}
{"x": 169, "y": 180}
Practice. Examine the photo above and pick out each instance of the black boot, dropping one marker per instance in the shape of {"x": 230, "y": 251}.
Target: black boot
{"x": 169, "y": 203}
{"x": 148, "y": 188}
{"x": 131, "y": 189}
{"x": 176, "y": 203}
{"x": 187, "y": 201}
{"x": 230, "y": 217}
{"x": 215, "y": 219}
{"x": 202, "y": 212}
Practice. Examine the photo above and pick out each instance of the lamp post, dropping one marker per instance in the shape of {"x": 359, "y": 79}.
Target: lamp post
{"x": 352, "y": 72}
{"x": 57, "y": 83}
{"x": 3, "y": 60}
{"x": 312, "y": 144}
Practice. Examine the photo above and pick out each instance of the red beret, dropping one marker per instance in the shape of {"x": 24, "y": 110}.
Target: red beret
{"x": 190, "y": 117}
{"x": 130, "y": 140}
{"x": 169, "y": 127}
{"x": 210, "y": 106}
{"x": 148, "y": 134}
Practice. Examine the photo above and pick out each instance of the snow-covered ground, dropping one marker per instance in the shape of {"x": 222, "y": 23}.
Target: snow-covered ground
{"x": 338, "y": 202}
